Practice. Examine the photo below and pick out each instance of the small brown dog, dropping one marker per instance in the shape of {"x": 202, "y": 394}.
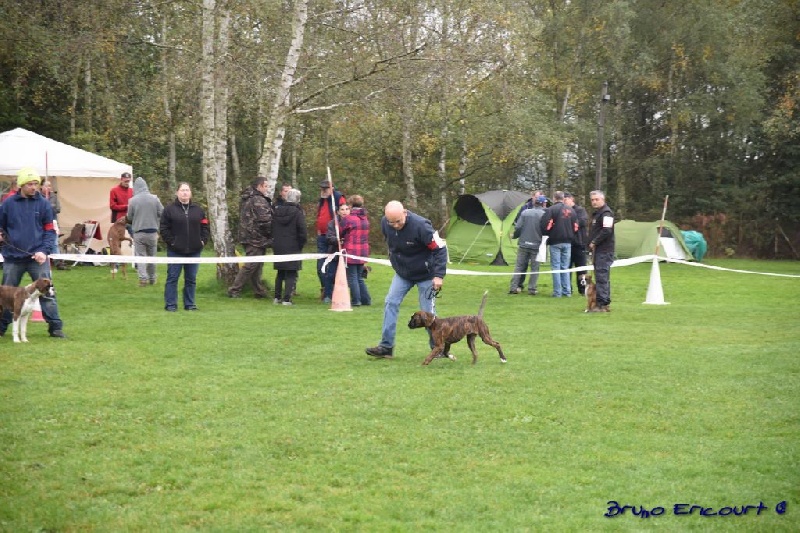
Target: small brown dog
{"x": 447, "y": 331}
{"x": 21, "y": 301}
{"x": 75, "y": 236}
{"x": 591, "y": 295}
{"x": 116, "y": 235}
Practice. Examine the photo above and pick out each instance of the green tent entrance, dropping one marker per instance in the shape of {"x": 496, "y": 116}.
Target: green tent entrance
{"x": 481, "y": 225}
{"x": 635, "y": 239}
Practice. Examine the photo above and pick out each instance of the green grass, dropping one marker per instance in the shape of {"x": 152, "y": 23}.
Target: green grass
{"x": 247, "y": 416}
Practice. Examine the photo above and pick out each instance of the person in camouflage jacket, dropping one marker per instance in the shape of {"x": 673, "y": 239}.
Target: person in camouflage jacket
{"x": 255, "y": 233}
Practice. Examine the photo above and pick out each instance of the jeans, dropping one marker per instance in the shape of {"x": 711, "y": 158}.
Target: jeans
{"x": 329, "y": 277}
{"x": 559, "y": 260}
{"x": 12, "y": 275}
{"x": 189, "y": 282}
{"x": 397, "y": 292}
{"x": 359, "y": 295}
{"x": 325, "y": 278}
{"x": 144, "y": 245}
{"x": 526, "y": 256}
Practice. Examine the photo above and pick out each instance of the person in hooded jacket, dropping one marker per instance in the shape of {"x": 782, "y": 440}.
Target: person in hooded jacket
{"x": 184, "y": 227}
{"x": 355, "y": 240}
{"x": 255, "y": 233}
{"x": 289, "y": 235}
{"x": 144, "y": 216}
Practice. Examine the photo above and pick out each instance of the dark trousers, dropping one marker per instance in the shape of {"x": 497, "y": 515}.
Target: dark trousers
{"x": 602, "y": 276}
{"x": 289, "y": 278}
{"x": 250, "y": 273}
{"x": 578, "y": 259}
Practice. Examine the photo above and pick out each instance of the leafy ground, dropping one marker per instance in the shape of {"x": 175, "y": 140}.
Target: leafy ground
{"x": 249, "y": 416}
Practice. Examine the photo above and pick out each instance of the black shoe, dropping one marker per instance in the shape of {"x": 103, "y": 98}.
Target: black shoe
{"x": 58, "y": 334}
{"x": 380, "y": 351}
{"x": 190, "y": 308}
{"x": 533, "y": 292}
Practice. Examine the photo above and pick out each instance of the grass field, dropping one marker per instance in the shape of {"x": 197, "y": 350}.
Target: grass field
{"x": 247, "y": 416}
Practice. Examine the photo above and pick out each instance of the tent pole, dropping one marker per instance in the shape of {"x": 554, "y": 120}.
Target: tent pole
{"x": 661, "y": 225}
{"x": 473, "y": 242}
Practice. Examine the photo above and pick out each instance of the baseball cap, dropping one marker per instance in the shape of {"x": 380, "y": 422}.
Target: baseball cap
{"x": 541, "y": 200}
{"x": 324, "y": 184}
{"x": 125, "y": 175}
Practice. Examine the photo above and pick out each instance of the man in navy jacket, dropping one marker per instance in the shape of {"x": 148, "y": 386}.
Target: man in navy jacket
{"x": 419, "y": 258}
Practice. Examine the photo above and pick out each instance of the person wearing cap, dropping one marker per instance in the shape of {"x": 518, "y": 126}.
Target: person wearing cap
{"x": 328, "y": 198}
{"x": 118, "y": 200}
{"x": 529, "y": 232}
{"x": 119, "y": 197}
{"x": 26, "y": 224}
{"x": 578, "y": 252}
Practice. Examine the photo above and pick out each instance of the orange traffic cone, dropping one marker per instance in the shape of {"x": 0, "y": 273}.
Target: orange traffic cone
{"x": 36, "y": 316}
{"x": 341, "y": 292}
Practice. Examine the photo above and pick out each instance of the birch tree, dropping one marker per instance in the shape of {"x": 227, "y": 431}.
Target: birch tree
{"x": 214, "y": 95}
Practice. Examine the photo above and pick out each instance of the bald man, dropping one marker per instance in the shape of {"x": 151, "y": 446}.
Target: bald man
{"x": 419, "y": 258}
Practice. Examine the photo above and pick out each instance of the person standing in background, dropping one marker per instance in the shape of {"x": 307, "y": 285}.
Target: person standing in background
{"x": 578, "y": 252}
{"x": 118, "y": 200}
{"x": 289, "y": 235}
{"x": 355, "y": 240}
{"x": 144, "y": 216}
{"x": 184, "y": 228}
{"x": 255, "y": 233}
{"x": 560, "y": 224}
{"x": 328, "y": 198}
{"x": 601, "y": 245}
{"x": 529, "y": 231}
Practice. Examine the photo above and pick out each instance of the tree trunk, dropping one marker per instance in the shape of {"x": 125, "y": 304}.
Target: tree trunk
{"x": 408, "y": 161}
{"x": 269, "y": 164}
{"x": 216, "y": 19}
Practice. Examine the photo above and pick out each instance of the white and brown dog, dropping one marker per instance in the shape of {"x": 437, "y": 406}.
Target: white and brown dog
{"x": 21, "y": 302}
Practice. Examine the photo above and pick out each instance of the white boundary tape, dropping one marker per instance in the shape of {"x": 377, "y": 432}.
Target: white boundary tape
{"x": 97, "y": 258}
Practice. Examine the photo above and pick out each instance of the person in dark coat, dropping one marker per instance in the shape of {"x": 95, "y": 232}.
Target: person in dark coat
{"x": 578, "y": 253}
{"x": 255, "y": 233}
{"x": 184, "y": 227}
{"x": 601, "y": 244}
{"x": 289, "y": 235}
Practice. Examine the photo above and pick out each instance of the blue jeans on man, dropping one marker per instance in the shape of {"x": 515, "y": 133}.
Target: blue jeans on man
{"x": 559, "y": 260}
{"x": 12, "y": 275}
{"x": 189, "y": 282}
{"x": 326, "y": 278}
{"x": 397, "y": 292}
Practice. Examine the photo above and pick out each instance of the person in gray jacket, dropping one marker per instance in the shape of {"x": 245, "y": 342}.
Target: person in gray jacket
{"x": 144, "y": 215}
{"x": 528, "y": 229}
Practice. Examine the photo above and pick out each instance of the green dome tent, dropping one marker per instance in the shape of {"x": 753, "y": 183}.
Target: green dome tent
{"x": 481, "y": 225}
{"x": 634, "y": 239}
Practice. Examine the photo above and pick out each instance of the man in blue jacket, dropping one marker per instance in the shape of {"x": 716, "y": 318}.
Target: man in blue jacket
{"x": 28, "y": 236}
{"x": 419, "y": 258}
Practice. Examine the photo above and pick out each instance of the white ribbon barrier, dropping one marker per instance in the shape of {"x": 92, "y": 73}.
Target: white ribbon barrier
{"x": 99, "y": 258}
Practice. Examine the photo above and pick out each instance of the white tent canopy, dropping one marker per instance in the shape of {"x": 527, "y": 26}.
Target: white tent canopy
{"x": 82, "y": 179}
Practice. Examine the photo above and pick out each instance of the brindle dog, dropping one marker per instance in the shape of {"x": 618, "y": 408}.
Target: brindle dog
{"x": 447, "y": 331}
{"x": 591, "y": 295}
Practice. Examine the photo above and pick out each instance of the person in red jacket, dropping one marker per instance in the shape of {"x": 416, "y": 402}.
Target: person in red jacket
{"x": 355, "y": 240}
{"x": 120, "y": 194}
{"x": 118, "y": 201}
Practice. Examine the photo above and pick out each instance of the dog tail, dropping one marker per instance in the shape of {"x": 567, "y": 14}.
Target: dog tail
{"x": 483, "y": 303}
